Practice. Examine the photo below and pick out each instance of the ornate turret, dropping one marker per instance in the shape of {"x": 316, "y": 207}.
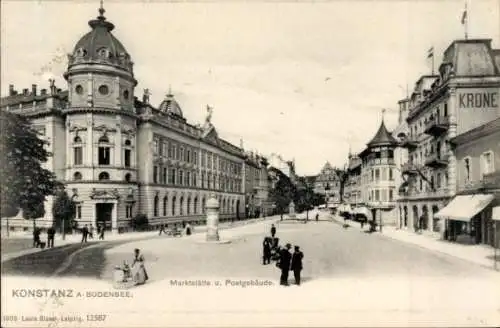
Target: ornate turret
{"x": 170, "y": 106}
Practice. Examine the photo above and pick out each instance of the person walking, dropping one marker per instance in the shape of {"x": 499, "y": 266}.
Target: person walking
{"x": 91, "y": 232}
{"x": 273, "y": 231}
{"x": 188, "y": 229}
{"x": 285, "y": 258}
{"x": 162, "y": 229}
{"x": 50, "y": 237}
{"x": 266, "y": 251}
{"x": 297, "y": 264}
{"x": 36, "y": 237}
{"x": 101, "y": 233}
{"x": 85, "y": 233}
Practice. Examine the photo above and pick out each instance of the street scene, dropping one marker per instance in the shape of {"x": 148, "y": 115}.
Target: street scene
{"x": 250, "y": 164}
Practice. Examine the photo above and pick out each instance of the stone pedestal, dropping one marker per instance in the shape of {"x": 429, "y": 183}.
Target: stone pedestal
{"x": 291, "y": 211}
{"x": 212, "y": 208}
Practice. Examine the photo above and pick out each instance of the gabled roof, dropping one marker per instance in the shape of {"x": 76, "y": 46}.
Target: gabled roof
{"x": 382, "y": 137}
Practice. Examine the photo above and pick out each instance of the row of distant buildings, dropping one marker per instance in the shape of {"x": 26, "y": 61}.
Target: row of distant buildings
{"x": 120, "y": 156}
{"x": 438, "y": 171}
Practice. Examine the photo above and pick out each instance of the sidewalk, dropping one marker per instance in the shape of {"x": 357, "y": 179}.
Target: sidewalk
{"x": 478, "y": 254}
{"x": 129, "y": 236}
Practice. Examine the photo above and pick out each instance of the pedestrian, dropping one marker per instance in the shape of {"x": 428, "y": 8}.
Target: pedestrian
{"x": 273, "y": 231}
{"x": 50, "y": 237}
{"x": 188, "y": 229}
{"x": 317, "y": 217}
{"x": 91, "y": 231}
{"x": 162, "y": 229}
{"x": 101, "y": 234}
{"x": 266, "y": 251}
{"x": 284, "y": 264}
{"x": 36, "y": 237}
{"x": 297, "y": 264}
{"x": 85, "y": 233}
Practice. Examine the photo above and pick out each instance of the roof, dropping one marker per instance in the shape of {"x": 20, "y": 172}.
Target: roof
{"x": 101, "y": 45}
{"x": 472, "y": 57}
{"x": 170, "y": 105}
{"x": 382, "y": 137}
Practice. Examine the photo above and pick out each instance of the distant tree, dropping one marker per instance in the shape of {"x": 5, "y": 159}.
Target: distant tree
{"x": 63, "y": 211}
{"x": 282, "y": 193}
{"x": 25, "y": 184}
{"x": 139, "y": 222}
{"x": 343, "y": 176}
{"x": 304, "y": 196}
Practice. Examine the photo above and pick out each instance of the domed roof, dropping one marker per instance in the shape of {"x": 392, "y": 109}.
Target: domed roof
{"x": 100, "y": 46}
{"x": 382, "y": 137}
{"x": 170, "y": 106}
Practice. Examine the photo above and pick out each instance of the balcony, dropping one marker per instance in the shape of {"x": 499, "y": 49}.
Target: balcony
{"x": 409, "y": 169}
{"x": 410, "y": 142}
{"x": 437, "y": 126}
{"x": 489, "y": 181}
{"x": 381, "y": 161}
{"x": 436, "y": 160}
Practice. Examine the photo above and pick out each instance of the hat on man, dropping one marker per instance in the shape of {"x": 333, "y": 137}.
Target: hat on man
{"x": 288, "y": 245}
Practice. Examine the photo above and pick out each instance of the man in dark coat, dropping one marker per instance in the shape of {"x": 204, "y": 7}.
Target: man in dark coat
{"x": 266, "y": 256}
{"x": 297, "y": 264}
{"x": 36, "y": 237}
{"x": 85, "y": 233}
{"x": 285, "y": 258}
{"x": 50, "y": 237}
{"x": 273, "y": 231}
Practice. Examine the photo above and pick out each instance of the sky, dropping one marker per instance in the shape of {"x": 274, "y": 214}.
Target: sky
{"x": 306, "y": 80}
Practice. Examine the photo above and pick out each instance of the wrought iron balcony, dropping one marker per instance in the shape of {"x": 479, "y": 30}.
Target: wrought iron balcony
{"x": 436, "y": 160}
{"x": 409, "y": 168}
{"x": 410, "y": 142}
{"x": 437, "y": 126}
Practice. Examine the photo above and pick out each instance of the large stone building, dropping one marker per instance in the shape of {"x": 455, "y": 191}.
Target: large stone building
{"x": 256, "y": 186}
{"x": 327, "y": 183}
{"x": 464, "y": 96}
{"x": 120, "y": 156}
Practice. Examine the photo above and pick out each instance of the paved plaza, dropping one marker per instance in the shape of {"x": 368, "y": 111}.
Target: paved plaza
{"x": 350, "y": 278}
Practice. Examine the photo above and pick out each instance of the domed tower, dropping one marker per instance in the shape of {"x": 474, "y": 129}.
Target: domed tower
{"x": 101, "y": 128}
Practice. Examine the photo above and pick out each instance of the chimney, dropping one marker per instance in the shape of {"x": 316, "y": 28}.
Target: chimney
{"x": 43, "y": 92}
{"x": 33, "y": 89}
{"x": 11, "y": 90}
{"x": 25, "y": 92}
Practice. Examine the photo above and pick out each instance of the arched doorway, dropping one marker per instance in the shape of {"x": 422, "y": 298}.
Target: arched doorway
{"x": 425, "y": 218}
{"x": 435, "y": 221}
{"x": 415, "y": 217}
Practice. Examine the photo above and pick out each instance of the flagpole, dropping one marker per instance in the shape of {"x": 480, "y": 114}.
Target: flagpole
{"x": 432, "y": 62}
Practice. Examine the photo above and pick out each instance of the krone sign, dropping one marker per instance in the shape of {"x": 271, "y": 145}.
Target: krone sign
{"x": 478, "y": 100}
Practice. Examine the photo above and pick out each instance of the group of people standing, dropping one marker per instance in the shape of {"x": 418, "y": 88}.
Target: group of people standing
{"x": 37, "y": 240}
{"x": 88, "y": 232}
{"x": 285, "y": 260}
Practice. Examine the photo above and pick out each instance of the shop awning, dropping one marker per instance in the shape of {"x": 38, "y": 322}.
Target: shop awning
{"x": 362, "y": 210}
{"x": 464, "y": 207}
{"x": 345, "y": 208}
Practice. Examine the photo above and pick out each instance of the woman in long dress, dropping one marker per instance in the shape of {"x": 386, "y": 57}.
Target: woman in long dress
{"x": 139, "y": 273}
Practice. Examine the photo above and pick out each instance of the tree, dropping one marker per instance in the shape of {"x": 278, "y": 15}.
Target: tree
{"x": 63, "y": 210}
{"x": 25, "y": 183}
{"x": 343, "y": 176}
{"x": 283, "y": 192}
{"x": 304, "y": 196}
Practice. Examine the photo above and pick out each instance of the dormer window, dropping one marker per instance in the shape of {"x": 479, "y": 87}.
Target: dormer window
{"x": 80, "y": 52}
{"x": 103, "y": 53}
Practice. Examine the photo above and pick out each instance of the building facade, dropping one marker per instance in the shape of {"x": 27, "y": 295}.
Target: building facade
{"x": 463, "y": 96}
{"x": 120, "y": 156}
{"x": 327, "y": 183}
{"x": 256, "y": 186}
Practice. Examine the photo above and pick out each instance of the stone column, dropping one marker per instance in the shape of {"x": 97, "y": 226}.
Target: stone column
{"x": 212, "y": 208}
{"x": 114, "y": 218}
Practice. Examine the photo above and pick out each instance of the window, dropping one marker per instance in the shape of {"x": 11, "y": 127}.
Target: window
{"x": 104, "y": 152}
{"x": 391, "y": 174}
{"x": 156, "y": 205}
{"x": 103, "y": 90}
{"x": 438, "y": 180}
{"x": 77, "y": 155}
{"x": 128, "y": 177}
{"x": 203, "y": 207}
{"x": 155, "y": 174}
{"x": 79, "y": 89}
{"x": 181, "y": 206}
{"x": 165, "y": 203}
{"x": 104, "y": 176}
{"x": 377, "y": 174}
{"x": 188, "y": 207}
{"x": 377, "y": 195}
{"x": 78, "y": 211}
{"x": 195, "y": 157}
{"x": 182, "y": 156}
{"x": 188, "y": 155}
{"x": 164, "y": 176}
{"x": 172, "y": 176}
{"x": 127, "y": 157}
{"x": 195, "y": 182}
{"x": 203, "y": 179}
{"x": 467, "y": 169}
{"x": 173, "y": 205}
{"x": 156, "y": 146}
{"x": 486, "y": 163}
{"x": 129, "y": 211}
{"x": 187, "y": 181}
{"x": 77, "y": 176}
{"x": 195, "y": 205}
{"x": 125, "y": 94}
{"x": 128, "y": 142}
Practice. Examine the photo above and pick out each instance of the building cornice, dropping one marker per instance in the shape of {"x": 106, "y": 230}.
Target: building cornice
{"x": 98, "y": 110}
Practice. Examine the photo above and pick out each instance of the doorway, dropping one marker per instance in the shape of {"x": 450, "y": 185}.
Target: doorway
{"x": 104, "y": 212}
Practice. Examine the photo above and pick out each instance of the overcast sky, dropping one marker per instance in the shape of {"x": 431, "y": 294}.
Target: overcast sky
{"x": 304, "y": 80}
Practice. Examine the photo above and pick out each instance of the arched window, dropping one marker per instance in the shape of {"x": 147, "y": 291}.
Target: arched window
{"x": 203, "y": 203}
{"x": 165, "y": 202}
{"x": 77, "y": 176}
{"x": 104, "y": 176}
{"x": 181, "y": 206}
{"x": 104, "y": 154}
{"x": 155, "y": 206}
{"x": 173, "y": 205}
{"x": 128, "y": 177}
{"x": 128, "y": 142}
{"x": 195, "y": 205}
{"x": 223, "y": 206}
{"x": 188, "y": 207}
{"x": 77, "y": 139}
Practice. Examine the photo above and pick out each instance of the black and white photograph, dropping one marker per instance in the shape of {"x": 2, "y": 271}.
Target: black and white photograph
{"x": 267, "y": 163}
